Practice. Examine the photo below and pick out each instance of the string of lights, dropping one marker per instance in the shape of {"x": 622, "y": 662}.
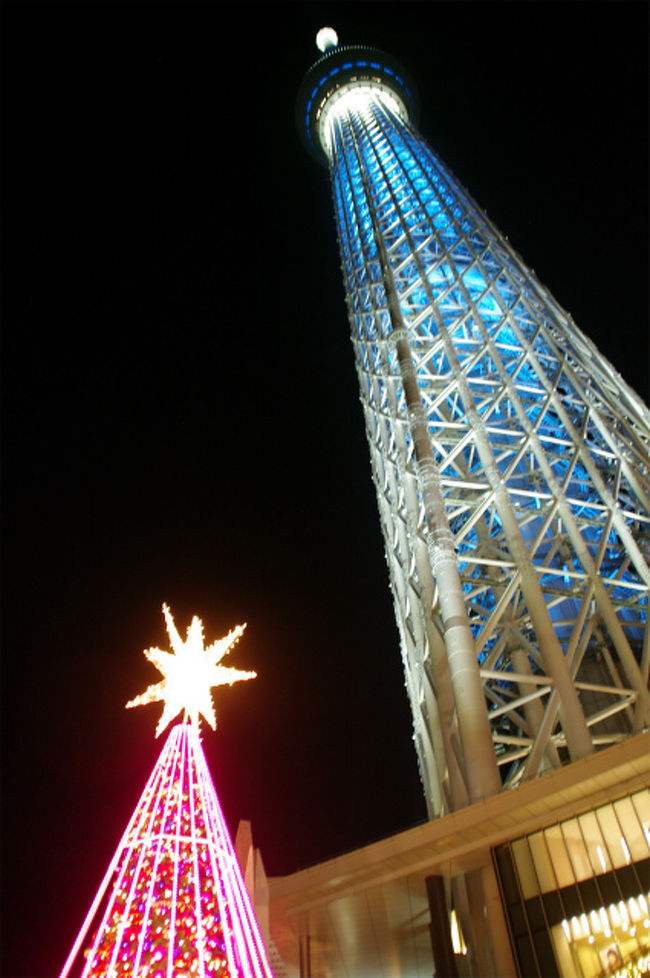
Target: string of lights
{"x": 173, "y": 902}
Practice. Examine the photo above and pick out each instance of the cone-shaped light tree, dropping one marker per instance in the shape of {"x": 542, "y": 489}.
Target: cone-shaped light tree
{"x": 173, "y": 903}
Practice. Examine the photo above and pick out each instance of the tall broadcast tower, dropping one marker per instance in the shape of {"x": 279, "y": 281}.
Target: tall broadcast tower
{"x": 510, "y": 459}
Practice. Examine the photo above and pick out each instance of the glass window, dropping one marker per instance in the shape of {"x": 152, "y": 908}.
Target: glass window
{"x": 559, "y": 856}
{"x": 542, "y": 862}
{"x": 565, "y": 953}
{"x": 612, "y": 835}
{"x": 588, "y": 870}
{"x": 632, "y": 831}
{"x": 641, "y": 803}
{"x": 576, "y": 849}
{"x": 525, "y": 868}
{"x": 595, "y": 844}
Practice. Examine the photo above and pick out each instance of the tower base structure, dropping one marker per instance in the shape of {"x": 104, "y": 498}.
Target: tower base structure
{"x": 569, "y": 854}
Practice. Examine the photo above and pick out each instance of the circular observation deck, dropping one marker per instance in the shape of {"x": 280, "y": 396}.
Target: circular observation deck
{"x": 340, "y": 70}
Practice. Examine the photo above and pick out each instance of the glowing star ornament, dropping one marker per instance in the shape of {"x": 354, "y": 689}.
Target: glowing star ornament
{"x": 190, "y": 671}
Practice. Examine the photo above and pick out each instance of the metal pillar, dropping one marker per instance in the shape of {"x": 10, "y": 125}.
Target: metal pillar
{"x": 443, "y": 952}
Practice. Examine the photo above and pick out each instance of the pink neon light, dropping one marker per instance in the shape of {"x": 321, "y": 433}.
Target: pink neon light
{"x": 248, "y": 932}
{"x": 178, "y": 904}
{"x": 104, "y": 884}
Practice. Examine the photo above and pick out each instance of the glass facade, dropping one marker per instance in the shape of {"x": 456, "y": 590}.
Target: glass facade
{"x": 577, "y": 893}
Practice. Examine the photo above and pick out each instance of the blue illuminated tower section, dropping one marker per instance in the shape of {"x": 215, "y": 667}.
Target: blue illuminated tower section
{"x": 510, "y": 460}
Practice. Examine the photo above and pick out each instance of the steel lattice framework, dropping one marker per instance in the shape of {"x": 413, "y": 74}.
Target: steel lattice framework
{"x": 510, "y": 459}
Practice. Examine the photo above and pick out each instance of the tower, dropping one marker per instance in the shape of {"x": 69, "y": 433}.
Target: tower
{"x": 173, "y": 901}
{"x": 509, "y": 458}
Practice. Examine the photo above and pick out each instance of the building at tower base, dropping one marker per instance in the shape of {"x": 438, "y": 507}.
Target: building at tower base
{"x": 572, "y": 857}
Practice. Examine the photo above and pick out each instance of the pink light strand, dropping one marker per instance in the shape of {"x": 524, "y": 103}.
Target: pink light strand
{"x": 149, "y": 814}
{"x": 195, "y": 861}
{"x": 144, "y": 811}
{"x": 181, "y": 770}
{"x": 159, "y": 847}
{"x": 104, "y": 884}
{"x": 249, "y": 937}
{"x": 179, "y": 809}
{"x": 213, "y": 842}
{"x": 223, "y": 861}
{"x": 147, "y": 821}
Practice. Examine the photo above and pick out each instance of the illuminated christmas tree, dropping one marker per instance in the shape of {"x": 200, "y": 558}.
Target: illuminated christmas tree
{"x": 173, "y": 903}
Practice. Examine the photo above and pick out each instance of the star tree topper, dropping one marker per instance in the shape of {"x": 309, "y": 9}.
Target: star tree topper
{"x": 189, "y": 673}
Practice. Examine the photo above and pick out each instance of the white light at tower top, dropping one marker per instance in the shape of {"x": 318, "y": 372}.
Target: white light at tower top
{"x": 356, "y": 98}
{"x": 326, "y": 38}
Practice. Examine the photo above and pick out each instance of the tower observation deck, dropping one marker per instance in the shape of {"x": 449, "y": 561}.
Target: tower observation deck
{"x": 510, "y": 459}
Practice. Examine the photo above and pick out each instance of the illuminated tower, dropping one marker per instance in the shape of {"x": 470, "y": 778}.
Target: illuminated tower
{"x": 173, "y": 902}
{"x": 510, "y": 459}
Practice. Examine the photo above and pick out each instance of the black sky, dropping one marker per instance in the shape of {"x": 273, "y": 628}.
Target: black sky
{"x": 180, "y": 409}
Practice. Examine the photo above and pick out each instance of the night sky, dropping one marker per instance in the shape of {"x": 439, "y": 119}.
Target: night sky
{"x": 181, "y": 419}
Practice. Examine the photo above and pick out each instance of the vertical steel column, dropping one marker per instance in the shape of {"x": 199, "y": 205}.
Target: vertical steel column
{"x": 443, "y": 951}
{"x": 305, "y": 956}
{"x": 478, "y": 755}
{"x": 577, "y": 733}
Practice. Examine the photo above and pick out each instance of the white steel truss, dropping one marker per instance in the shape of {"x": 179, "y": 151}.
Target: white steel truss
{"x": 512, "y": 470}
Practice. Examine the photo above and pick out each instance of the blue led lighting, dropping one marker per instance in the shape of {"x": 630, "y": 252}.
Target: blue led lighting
{"x": 506, "y": 330}
{"x": 541, "y": 472}
{"x": 348, "y": 65}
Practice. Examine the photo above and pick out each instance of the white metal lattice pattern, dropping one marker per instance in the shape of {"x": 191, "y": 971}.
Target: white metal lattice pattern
{"x": 542, "y": 457}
